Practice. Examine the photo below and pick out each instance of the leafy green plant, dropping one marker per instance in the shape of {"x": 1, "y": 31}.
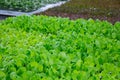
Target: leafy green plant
{"x": 24, "y": 5}
{"x": 50, "y": 48}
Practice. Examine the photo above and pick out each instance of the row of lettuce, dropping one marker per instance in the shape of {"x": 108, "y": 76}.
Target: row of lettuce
{"x": 50, "y": 48}
{"x": 25, "y": 5}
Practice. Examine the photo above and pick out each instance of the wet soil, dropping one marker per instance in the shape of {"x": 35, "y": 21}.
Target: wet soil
{"x": 104, "y": 10}
{"x": 2, "y": 17}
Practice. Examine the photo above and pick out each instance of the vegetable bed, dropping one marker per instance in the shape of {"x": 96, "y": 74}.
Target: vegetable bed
{"x": 50, "y": 48}
{"x": 96, "y": 9}
{"x": 25, "y": 5}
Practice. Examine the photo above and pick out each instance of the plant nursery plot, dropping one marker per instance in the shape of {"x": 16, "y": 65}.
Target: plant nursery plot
{"x": 95, "y": 9}
{"x": 51, "y": 48}
{"x": 24, "y": 5}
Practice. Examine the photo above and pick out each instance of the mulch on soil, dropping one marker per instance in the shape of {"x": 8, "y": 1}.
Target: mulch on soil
{"x": 96, "y": 9}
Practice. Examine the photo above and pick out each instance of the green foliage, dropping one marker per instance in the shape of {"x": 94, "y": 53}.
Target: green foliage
{"x": 50, "y": 48}
{"x": 24, "y": 5}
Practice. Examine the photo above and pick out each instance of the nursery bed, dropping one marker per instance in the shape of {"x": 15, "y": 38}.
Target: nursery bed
{"x": 16, "y": 12}
{"x": 96, "y": 9}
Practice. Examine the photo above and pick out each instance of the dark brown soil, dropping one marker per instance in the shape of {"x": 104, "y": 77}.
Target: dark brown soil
{"x": 2, "y": 17}
{"x": 96, "y": 9}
